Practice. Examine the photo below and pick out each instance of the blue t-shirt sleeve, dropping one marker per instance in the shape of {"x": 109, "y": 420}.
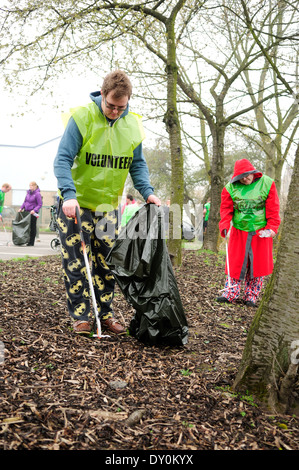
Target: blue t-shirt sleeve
{"x": 68, "y": 148}
{"x": 140, "y": 174}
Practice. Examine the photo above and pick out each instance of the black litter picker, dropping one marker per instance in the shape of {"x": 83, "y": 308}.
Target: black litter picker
{"x": 55, "y": 242}
{"x": 140, "y": 262}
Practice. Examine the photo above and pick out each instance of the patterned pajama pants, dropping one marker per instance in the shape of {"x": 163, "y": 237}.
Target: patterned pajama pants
{"x": 99, "y": 233}
{"x": 252, "y": 289}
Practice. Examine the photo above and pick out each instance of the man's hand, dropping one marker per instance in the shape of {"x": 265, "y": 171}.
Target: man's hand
{"x": 152, "y": 199}
{"x": 69, "y": 207}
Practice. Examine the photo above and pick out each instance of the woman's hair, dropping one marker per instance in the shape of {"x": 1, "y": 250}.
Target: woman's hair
{"x": 119, "y": 83}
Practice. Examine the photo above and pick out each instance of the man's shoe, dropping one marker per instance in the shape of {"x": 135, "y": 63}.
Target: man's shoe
{"x": 223, "y": 299}
{"x": 82, "y": 327}
{"x": 113, "y": 325}
{"x": 249, "y": 303}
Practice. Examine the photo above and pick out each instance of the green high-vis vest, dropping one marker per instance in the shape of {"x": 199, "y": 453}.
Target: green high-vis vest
{"x": 249, "y": 203}
{"x": 100, "y": 169}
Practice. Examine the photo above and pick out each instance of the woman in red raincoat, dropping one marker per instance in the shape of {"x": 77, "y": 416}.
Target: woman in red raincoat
{"x": 250, "y": 203}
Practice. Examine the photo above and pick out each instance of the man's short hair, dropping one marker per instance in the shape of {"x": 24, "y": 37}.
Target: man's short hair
{"x": 6, "y": 186}
{"x": 119, "y": 83}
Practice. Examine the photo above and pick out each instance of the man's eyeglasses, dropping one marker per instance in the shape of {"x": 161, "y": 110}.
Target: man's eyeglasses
{"x": 112, "y": 106}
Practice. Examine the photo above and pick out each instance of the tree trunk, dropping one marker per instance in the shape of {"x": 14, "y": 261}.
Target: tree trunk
{"x": 172, "y": 122}
{"x": 278, "y": 173}
{"x": 212, "y": 236}
{"x": 269, "y": 367}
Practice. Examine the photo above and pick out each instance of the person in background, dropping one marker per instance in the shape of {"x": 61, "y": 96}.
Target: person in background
{"x": 206, "y": 213}
{"x": 32, "y": 204}
{"x": 4, "y": 189}
{"x": 131, "y": 207}
{"x": 250, "y": 201}
{"x": 101, "y": 144}
{"x": 125, "y": 205}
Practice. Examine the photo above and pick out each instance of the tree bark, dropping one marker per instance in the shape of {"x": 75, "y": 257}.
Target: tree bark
{"x": 173, "y": 127}
{"x": 217, "y": 181}
{"x": 268, "y": 368}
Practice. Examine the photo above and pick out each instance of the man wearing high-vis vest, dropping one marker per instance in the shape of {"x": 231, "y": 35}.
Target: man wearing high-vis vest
{"x": 250, "y": 203}
{"x": 101, "y": 145}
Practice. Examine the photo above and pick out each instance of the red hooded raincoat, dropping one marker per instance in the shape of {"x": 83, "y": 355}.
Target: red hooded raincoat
{"x": 247, "y": 248}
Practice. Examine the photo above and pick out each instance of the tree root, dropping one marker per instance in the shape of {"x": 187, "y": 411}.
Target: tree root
{"x": 287, "y": 396}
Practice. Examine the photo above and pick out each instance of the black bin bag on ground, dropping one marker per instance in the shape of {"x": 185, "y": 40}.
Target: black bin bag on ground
{"x": 21, "y": 228}
{"x": 142, "y": 268}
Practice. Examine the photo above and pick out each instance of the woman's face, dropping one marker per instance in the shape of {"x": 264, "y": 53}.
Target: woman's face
{"x": 247, "y": 179}
{"x": 32, "y": 187}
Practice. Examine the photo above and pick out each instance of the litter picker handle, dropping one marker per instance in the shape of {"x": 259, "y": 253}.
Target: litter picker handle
{"x": 78, "y": 218}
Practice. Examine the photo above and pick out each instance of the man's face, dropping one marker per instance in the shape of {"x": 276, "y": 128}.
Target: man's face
{"x": 114, "y": 107}
{"x": 247, "y": 180}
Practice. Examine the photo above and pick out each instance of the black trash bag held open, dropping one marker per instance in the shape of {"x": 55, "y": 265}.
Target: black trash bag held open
{"x": 142, "y": 268}
{"x": 21, "y": 228}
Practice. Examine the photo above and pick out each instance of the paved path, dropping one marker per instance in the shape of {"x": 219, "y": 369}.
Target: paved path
{"x": 41, "y": 248}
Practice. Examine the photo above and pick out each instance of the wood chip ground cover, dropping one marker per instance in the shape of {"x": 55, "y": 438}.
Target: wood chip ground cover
{"x": 59, "y": 391}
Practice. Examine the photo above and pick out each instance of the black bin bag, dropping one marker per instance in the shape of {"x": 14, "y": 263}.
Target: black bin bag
{"x": 21, "y": 228}
{"x": 142, "y": 268}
